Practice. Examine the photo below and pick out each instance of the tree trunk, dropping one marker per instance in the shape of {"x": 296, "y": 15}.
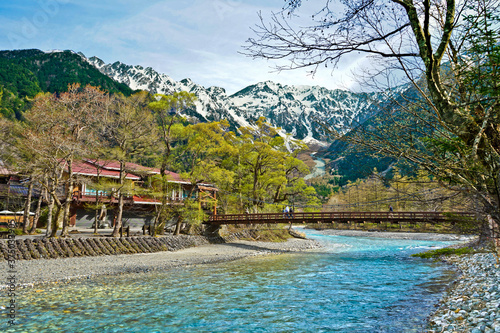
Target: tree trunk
{"x": 178, "y": 225}
{"x": 37, "y": 212}
{"x": 56, "y": 222}
{"x": 49, "y": 216}
{"x": 118, "y": 222}
{"x": 27, "y": 208}
{"x": 160, "y": 218}
{"x": 158, "y": 222}
{"x": 118, "y": 225}
{"x": 68, "y": 201}
{"x": 191, "y": 228}
{"x": 96, "y": 218}
{"x": 178, "y": 228}
{"x": 65, "y": 219}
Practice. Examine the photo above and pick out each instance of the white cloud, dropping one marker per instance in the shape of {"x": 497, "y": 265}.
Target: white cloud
{"x": 199, "y": 40}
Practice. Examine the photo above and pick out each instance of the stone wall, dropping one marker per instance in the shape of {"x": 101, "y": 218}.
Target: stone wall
{"x": 28, "y": 249}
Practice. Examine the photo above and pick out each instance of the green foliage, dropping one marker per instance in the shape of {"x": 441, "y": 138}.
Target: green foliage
{"x": 17, "y": 79}
{"x": 480, "y": 69}
{"x": 466, "y": 226}
{"x": 323, "y": 190}
{"x": 172, "y": 104}
{"x": 42, "y": 220}
{"x": 166, "y": 110}
{"x": 17, "y": 232}
{"x": 420, "y": 192}
{"x": 267, "y": 172}
{"x": 25, "y": 73}
{"x": 11, "y": 106}
{"x": 447, "y": 251}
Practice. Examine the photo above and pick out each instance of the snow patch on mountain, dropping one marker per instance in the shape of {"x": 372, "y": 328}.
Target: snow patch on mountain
{"x": 299, "y": 110}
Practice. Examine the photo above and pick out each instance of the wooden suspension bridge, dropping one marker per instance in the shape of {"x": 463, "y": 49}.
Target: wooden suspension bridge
{"x": 342, "y": 217}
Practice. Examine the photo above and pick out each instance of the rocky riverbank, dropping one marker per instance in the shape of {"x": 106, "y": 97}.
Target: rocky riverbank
{"x": 472, "y": 304}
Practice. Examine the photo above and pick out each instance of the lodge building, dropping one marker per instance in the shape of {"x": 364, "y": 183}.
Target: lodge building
{"x": 97, "y": 182}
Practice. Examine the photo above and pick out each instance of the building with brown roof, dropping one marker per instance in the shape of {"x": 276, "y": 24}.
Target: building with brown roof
{"x": 97, "y": 184}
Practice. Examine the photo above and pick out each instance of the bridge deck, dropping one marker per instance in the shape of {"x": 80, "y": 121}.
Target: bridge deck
{"x": 340, "y": 217}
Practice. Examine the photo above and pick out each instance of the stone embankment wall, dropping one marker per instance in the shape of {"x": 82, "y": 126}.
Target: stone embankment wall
{"x": 29, "y": 249}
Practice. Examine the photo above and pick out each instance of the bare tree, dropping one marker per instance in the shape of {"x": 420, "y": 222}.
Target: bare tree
{"x": 130, "y": 132}
{"x": 448, "y": 123}
{"x": 59, "y": 129}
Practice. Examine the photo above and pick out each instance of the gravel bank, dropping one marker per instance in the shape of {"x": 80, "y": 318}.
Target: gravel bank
{"x": 472, "y": 304}
{"x": 34, "y": 272}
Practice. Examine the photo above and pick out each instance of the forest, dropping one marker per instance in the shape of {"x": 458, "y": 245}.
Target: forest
{"x": 25, "y": 73}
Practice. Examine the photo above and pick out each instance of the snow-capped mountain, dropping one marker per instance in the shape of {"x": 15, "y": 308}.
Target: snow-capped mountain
{"x": 298, "y": 110}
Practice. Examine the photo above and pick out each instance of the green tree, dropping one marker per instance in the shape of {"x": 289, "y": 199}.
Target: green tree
{"x": 167, "y": 112}
{"x": 204, "y": 156}
{"x": 268, "y": 170}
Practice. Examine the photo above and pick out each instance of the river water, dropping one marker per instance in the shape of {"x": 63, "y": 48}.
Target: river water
{"x": 353, "y": 284}
{"x": 318, "y": 169}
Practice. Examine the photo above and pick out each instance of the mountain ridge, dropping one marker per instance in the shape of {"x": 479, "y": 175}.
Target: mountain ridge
{"x": 295, "y": 109}
{"x": 301, "y": 110}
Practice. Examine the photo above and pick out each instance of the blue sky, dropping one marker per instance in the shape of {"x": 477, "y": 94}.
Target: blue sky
{"x": 183, "y": 39}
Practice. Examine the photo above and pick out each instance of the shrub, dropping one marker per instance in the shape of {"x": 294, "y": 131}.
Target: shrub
{"x": 447, "y": 251}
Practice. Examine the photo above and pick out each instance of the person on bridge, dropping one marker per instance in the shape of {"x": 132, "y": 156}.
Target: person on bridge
{"x": 286, "y": 211}
{"x": 390, "y": 209}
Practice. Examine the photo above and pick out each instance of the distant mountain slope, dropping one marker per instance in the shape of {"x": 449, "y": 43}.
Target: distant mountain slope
{"x": 354, "y": 162}
{"x": 24, "y": 73}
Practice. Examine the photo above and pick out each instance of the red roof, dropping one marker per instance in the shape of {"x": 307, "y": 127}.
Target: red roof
{"x": 129, "y": 166}
{"x": 137, "y": 169}
{"x": 105, "y": 164}
{"x": 142, "y": 169}
{"x": 175, "y": 177}
{"x": 145, "y": 200}
{"x": 85, "y": 168}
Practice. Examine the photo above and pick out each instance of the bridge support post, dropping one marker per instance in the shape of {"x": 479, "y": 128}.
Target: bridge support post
{"x": 212, "y": 230}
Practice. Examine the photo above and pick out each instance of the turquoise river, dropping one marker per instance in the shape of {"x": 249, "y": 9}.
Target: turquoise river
{"x": 353, "y": 284}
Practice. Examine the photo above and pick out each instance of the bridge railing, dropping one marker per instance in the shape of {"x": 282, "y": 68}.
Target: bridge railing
{"x": 338, "y": 216}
